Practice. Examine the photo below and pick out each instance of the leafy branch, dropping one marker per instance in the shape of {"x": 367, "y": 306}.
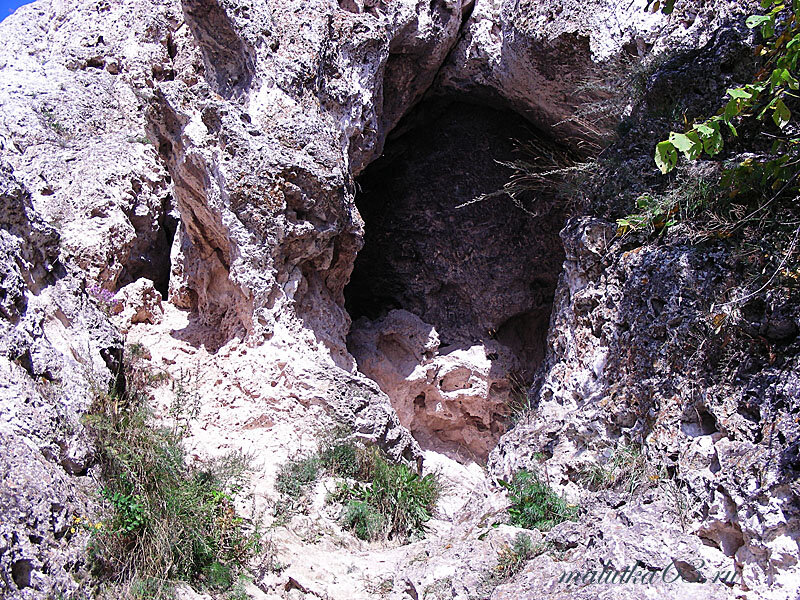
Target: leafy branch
{"x": 765, "y": 97}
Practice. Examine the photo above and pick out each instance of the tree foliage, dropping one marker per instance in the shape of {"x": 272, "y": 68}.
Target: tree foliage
{"x": 763, "y": 99}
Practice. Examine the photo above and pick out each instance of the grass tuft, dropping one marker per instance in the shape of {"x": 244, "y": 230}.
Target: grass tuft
{"x": 167, "y": 520}
{"x": 381, "y": 499}
{"x": 296, "y": 475}
{"x": 626, "y": 470}
{"x": 364, "y": 520}
{"x": 534, "y": 505}
{"x": 512, "y": 558}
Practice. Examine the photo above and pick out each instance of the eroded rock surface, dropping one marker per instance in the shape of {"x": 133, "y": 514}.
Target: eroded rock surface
{"x": 212, "y": 147}
{"x": 454, "y": 398}
{"x": 537, "y": 57}
{"x": 137, "y": 302}
{"x": 635, "y": 357}
{"x": 55, "y": 344}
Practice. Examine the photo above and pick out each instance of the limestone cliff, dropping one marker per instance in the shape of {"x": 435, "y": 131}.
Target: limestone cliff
{"x": 252, "y": 159}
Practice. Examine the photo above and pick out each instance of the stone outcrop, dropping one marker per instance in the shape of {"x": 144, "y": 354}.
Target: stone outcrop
{"x": 540, "y": 58}
{"x": 137, "y": 302}
{"x": 55, "y": 345}
{"x": 457, "y": 399}
{"x": 213, "y": 147}
{"x": 637, "y": 354}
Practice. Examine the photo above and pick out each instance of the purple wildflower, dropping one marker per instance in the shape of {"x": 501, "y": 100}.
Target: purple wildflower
{"x": 104, "y": 297}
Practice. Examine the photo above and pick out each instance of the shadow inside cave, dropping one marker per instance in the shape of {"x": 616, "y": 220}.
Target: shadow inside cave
{"x": 479, "y": 272}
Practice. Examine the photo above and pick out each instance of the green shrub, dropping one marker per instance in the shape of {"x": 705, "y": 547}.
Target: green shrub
{"x": 364, "y": 520}
{"x": 681, "y": 202}
{"x": 764, "y": 99}
{"x": 534, "y": 505}
{"x": 218, "y": 576}
{"x": 511, "y": 559}
{"x": 168, "y": 520}
{"x": 296, "y": 475}
{"x": 404, "y": 498}
{"x": 341, "y": 458}
{"x": 129, "y": 511}
{"x": 385, "y": 500}
{"x": 627, "y": 469}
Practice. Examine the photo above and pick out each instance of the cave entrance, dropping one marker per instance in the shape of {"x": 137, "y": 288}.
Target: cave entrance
{"x": 451, "y": 303}
{"x": 150, "y": 254}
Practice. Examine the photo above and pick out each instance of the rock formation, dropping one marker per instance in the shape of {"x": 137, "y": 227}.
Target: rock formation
{"x": 239, "y": 155}
{"x": 454, "y": 398}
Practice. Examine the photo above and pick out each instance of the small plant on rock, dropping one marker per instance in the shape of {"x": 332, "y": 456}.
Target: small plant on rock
{"x": 403, "y": 498}
{"x": 512, "y": 558}
{"x": 680, "y": 203}
{"x": 296, "y": 475}
{"x": 626, "y": 470}
{"x": 342, "y": 457}
{"x": 534, "y": 505}
{"x": 105, "y": 299}
{"x": 381, "y": 499}
{"x": 364, "y": 520}
{"x": 168, "y": 520}
{"x": 52, "y": 122}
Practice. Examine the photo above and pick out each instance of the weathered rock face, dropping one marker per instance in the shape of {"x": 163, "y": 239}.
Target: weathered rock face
{"x": 637, "y": 354}
{"x": 55, "y": 344}
{"x": 137, "y": 302}
{"x": 661, "y": 559}
{"x": 537, "y": 57}
{"x": 453, "y": 399}
{"x": 275, "y": 148}
{"x": 248, "y": 123}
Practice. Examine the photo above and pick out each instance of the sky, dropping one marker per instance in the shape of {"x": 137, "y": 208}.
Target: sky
{"x": 8, "y": 6}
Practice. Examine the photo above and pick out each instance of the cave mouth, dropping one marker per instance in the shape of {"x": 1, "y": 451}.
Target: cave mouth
{"x": 482, "y": 275}
{"x": 150, "y": 255}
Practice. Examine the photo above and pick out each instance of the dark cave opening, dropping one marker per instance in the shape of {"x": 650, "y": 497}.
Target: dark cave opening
{"x": 483, "y": 275}
{"x": 487, "y": 270}
{"x": 150, "y": 254}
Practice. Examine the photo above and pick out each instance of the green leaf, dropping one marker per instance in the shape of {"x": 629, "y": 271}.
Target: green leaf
{"x": 644, "y": 201}
{"x": 704, "y": 130}
{"x": 781, "y": 115}
{"x": 754, "y": 21}
{"x": 776, "y": 77}
{"x": 739, "y": 93}
{"x": 680, "y": 141}
{"x": 697, "y": 145}
{"x": 790, "y": 79}
{"x": 731, "y": 110}
{"x": 712, "y": 138}
{"x": 691, "y": 148}
{"x": 666, "y": 6}
{"x": 713, "y": 145}
{"x": 666, "y": 156}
